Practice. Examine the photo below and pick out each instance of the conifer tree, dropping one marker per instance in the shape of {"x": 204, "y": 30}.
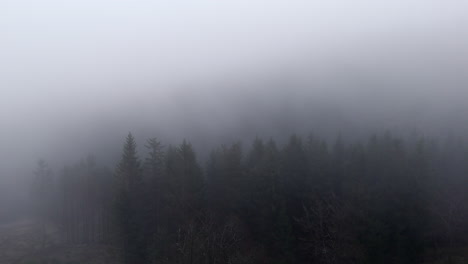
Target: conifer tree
{"x": 154, "y": 189}
{"x": 43, "y": 197}
{"x": 129, "y": 205}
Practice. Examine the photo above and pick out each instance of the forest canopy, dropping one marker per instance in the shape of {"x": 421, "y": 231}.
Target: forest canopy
{"x": 380, "y": 200}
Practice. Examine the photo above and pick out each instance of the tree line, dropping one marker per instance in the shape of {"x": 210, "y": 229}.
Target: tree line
{"x": 382, "y": 200}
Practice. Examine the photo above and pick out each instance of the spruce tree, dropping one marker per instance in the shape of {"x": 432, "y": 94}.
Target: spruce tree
{"x": 129, "y": 205}
{"x": 43, "y": 197}
{"x": 154, "y": 188}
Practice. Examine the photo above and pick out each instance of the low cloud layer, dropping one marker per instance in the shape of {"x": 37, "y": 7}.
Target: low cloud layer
{"x": 79, "y": 76}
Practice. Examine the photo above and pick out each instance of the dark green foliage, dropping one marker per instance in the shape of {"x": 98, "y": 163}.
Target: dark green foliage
{"x": 129, "y": 205}
{"x": 226, "y": 180}
{"x": 384, "y": 200}
{"x": 184, "y": 180}
{"x": 154, "y": 207}
{"x": 85, "y": 196}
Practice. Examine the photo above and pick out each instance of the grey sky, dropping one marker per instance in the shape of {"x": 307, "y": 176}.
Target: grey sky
{"x": 67, "y": 67}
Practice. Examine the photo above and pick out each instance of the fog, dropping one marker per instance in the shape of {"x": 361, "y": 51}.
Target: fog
{"x": 77, "y": 76}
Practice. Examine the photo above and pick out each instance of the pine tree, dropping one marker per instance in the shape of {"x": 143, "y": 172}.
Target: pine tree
{"x": 227, "y": 181}
{"x": 185, "y": 179}
{"x": 154, "y": 182}
{"x": 129, "y": 205}
{"x": 43, "y": 193}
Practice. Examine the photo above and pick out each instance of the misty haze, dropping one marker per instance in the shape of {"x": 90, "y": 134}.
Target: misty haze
{"x": 233, "y": 132}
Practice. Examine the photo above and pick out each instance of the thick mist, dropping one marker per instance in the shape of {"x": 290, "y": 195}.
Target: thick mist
{"x": 247, "y": 131}
{"x": 76, "y": 77}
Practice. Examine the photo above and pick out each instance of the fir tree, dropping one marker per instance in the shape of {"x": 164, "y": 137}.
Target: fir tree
{"x": 129, "y": 205}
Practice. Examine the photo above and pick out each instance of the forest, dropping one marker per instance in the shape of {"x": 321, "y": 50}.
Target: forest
{"x": 385, "y": 199}
{"x": 234, "y": 132}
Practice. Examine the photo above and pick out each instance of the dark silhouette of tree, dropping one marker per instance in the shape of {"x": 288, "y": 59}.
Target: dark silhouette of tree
{"x": 129, "y": 205}
{"x": 384, "y": 200}
{"x": 43, "y": 197}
